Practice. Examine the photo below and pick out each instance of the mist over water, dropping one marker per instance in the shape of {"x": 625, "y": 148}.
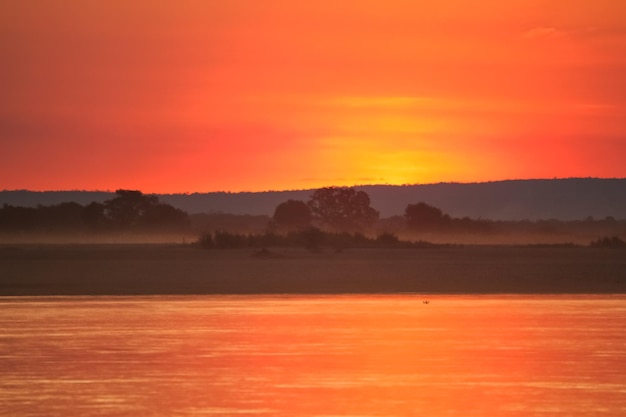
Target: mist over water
{"x": 314, "y": 355}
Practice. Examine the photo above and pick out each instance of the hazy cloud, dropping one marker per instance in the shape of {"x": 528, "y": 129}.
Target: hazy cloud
{"x": 542, "y": 32}
{"x": 382, "y": 101}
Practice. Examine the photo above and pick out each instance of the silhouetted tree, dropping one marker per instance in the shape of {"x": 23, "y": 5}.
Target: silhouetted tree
{"x": 128, "y": 207}
{"x": 342, "y": 208}
{"x": 164, "y": 216}
{"x": 94, "y": 216}
{"x": 17, "y": 218}
{"x": 422, "y": 216}
{"x": 63, "y": 216}
{"x": 292, "y": 215}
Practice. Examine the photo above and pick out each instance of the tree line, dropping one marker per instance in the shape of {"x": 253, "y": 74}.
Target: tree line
{"x": 129, "y": 210}
{"x": 345, "y": 209}
{"x": 336, "y": 215}
{"x": 339, "y": 209}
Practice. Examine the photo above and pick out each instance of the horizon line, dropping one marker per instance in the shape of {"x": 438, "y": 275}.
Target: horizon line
{"x": 315, "y": 188}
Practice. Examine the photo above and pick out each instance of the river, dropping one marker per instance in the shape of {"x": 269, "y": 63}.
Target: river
{"x": 352, "y": 355}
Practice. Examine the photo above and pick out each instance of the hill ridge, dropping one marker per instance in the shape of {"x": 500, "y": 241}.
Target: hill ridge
{"x": 517, "y": 199}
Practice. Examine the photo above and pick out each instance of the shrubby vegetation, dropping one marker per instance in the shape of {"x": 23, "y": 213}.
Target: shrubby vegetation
{"x": 609, "y": 242}
{"x": 312, "y": 238}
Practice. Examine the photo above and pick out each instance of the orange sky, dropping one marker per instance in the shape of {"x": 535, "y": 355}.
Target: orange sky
{"x": 251, "y": 95}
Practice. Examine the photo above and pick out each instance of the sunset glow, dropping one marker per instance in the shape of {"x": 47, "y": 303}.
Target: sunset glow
{"x": 242, "y": 95}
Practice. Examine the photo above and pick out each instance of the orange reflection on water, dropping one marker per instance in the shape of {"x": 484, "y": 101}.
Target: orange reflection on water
{"x": 314, "y": 356}
{"x": 397, "y": 356}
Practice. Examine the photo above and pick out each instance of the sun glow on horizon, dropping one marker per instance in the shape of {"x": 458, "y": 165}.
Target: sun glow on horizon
{"x": 253, "y": 96}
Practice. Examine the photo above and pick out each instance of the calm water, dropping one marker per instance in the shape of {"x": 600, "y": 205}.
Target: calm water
{"x": 313, "y": 356}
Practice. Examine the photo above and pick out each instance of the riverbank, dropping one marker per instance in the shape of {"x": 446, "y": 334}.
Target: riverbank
{"x": 128, "y": 269}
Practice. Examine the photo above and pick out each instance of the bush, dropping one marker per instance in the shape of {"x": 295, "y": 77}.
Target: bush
{"x": 608, "y": 242}
{"x": 222, "y": 240}
{"x": 312, "y": 239}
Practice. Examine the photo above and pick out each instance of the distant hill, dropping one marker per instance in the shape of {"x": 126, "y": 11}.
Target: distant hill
{"x": 563, "y": 199}
{"x": 25, "y": 198}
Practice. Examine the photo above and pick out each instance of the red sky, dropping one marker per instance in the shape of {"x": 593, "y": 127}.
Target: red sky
{"x": 246, "y": 95}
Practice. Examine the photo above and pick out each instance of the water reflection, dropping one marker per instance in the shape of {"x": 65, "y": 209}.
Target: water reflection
{"x": 313, "y": 356}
